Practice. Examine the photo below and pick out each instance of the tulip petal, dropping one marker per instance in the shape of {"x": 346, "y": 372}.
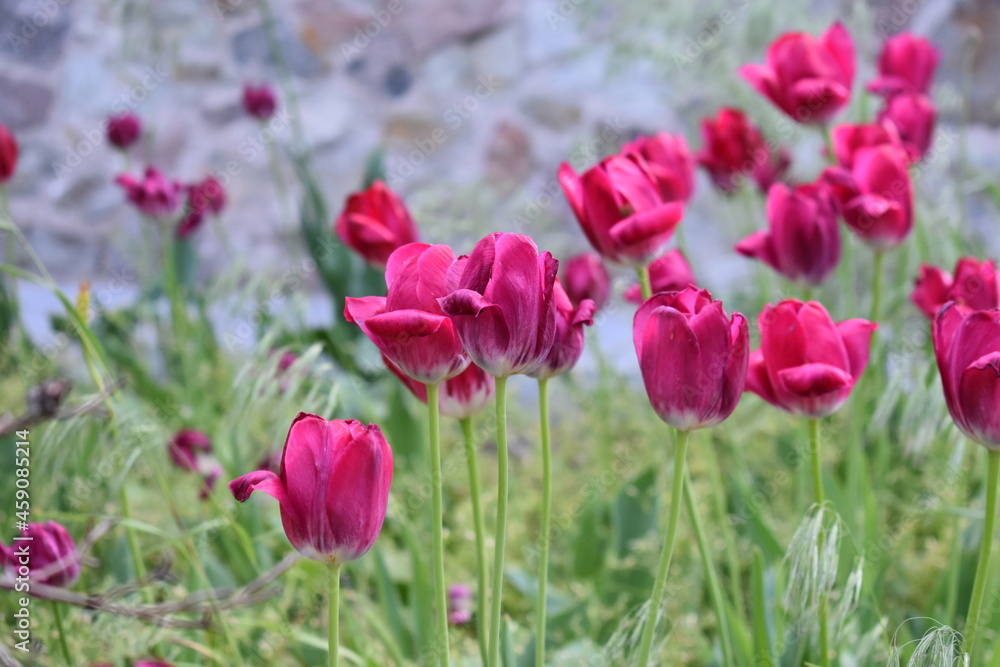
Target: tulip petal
{"x": 823, "y": 341}
{"x": 572, "y": 188}
{"x": 758, "y": 381}
{"x": 979, "y": 395}
{"x": 930, "y": 291}
{"x": 857, "y": 336}
{"x": 407, "y": 323}
{"x": 816, "y": 379}
{"x": 264, "y": 481}
{"x": 671, "y": 366}
{"x": 399, "y": 257}
{"x": 651, "y": 227}
{"x": 360, "y": 310}
{"x": 759, "y": 246}
{"x": 840, "y": 45}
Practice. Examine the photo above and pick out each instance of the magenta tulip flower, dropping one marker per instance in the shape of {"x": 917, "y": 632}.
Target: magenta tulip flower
{"x": 48, "y": 556}
{"x": 735, "y": 150}
{"x": 849, "y": 138}
{"x": 806, "y": 364}
{"x": 670, "y": 272}
{"x": 333, "y": 487}
{"x": 803, "y": 239}
{"x": 408, "y": 325}
{"x": 153, "y": 194}
{"x": 585, "y": 277}
{"x": 124, "y": 130}
{"x": 504, "y": 306}
{"x": 975, "y": 285}
{"x": 809, "y": 79}
{"x": 461, "y": 396}
{"x": 568, "y": 344}
{"x": 620, "y": 209}
{"x": 259, "y": 101}
{"x": 8, "y": 154}
{"x": 692, "y": 356}
{"x": 374, "y": 223}
{"x": 906, "y": 65}
{"x": 913, "y": 115}
{"x": 669, "y": 160}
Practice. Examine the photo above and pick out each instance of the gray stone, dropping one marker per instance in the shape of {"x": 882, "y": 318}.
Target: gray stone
{"x": 554, "y": 113}
{"x": 251, "y": 47}
{"x": 23, "y": 103}
{"x": 34, "y": 32}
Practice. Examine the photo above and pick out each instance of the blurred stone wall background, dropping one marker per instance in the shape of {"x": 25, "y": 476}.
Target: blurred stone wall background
{"x": 475, "y": 102}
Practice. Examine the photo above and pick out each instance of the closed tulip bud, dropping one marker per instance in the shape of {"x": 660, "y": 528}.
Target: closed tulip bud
{"x": 803, "y": 237}
{"x": 806, "y": 364}
{"x": 848, "y": 139}
{"x": 259, "y": 101}
{"x": 875, "y": 197}
{"x": 967, "y": 347}
{"x": 460, "y": 397}
{"x": 124, "y": 130}
{"x": 669, "y": 161}
{"x": 906, "y": 65}
{"x": 568, "y": 343}
{"x": 332, "y": 488}
{"x": 374, "y": 223}
{"x": 734, "y": 150}
{"x": 620, "y": 209}
{"x": 692, "y": 356}
{"x": 408, "y": 325}
{"x": 8, "y": 154}
{"x": 670, "y": 272}
{"x": 49, "y": 554}
{"x": 809, "y": 79}
{"x": 503, "y": 305}
{"x": 584, "y": 277}
{"x": 975, "y": 285}
{"x": 153, "y": 194}
{"x": 913, "y": 115}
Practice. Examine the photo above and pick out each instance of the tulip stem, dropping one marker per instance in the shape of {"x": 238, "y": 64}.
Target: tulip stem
{"x": 831, "y": 155}
{"x": 660, "y": 584}
{"x": 543, "y": 564}
{"x": 985, "y": 549}
{"x": 817, "y": 474}
{"x": 472, "y": 457}
{"x": 440, "y": 586}
{"x": 877, "y": 287}
{"x": 57, "y": 612}
{"x": 501, "y": 524}
{"x": 644, "y": 285}
{"x": 715, "y": 590}
{"x": 333, "y": 620}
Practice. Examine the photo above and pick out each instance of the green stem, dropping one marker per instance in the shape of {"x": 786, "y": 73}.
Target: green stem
{"x": 877, "y": 286}
{"x": 715, "y": 590}
{"x": 660, "y": 584}
{"x": 9, "y": 248}
{"x": 827, "y": 132}
{"x": 133, "y": 541}
{"x": 440, "y": 585}
{"x": 763, "y": 655}
{"x": 543, "y": 564}
{"x": 644, "y": 285}
{"x": 985, "y": 549}
{"x": 333, "y": 616}
{"x": 817, "y": 470}
{"x": 472, "y": 458}
{"x": 501, "y": 525}
{"x": 824, "y": 632}
{"x": 57, "y": 612}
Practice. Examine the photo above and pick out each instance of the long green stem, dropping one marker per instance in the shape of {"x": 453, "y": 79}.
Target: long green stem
{"x": 472, "y": 458}
{"x": 333, "y": 616}
{"x": 543, "y": 563}
{"x": 645, "y": 286}
{"x": 501, "y": 525}
{"x": 440, "y": 585}
{"x": 985, "y": 550}
{"x": 57, "y": 612}
{"x": 877, "y": 286}
{"x": 817, "y": 474}
{"x": 715, "y": 590}
{"x": 660, "y": 583}
{"x": 133, "y": 542}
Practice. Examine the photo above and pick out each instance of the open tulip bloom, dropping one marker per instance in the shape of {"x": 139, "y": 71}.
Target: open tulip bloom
{"x": 333, "y": 489}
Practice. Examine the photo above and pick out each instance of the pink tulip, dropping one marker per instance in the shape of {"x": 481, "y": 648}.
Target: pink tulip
{"x": 806, "y": 364}
{"x": 374, "y": 223}
{"x": 619, "y": 206}
{"x": 735, "y": 150}
{"x": 974, "y": 286}
{"x": 461, "y": 396}
{"x": 568, "y": 344}
{"x": 153, "y": 194}
{"x": 967, "y": 347}
{"x": 670, "y": 162}
{"x": 124, "y": 130}
{"x": 259, "y": 101}
{"x": 584, "y": 277}
{"x": 875, "y": 197}
{"x": 8, "y": 154}
{"x": 803, "y": 239}
{"x": 408, "y": 325}
{"x": 503, "y": 305}
{"x": 207, "y": 195}
{"x": 670, "y": 272}
{"x": 913, "y": 115}
{"x": 848, "y": 139}
{"x": 333, "y": 487}
{"x": 809, "y": 79}
{"x": 49, "y": 556}
{"x": 906, "y": 65}
{"x": 692, "y": 357}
